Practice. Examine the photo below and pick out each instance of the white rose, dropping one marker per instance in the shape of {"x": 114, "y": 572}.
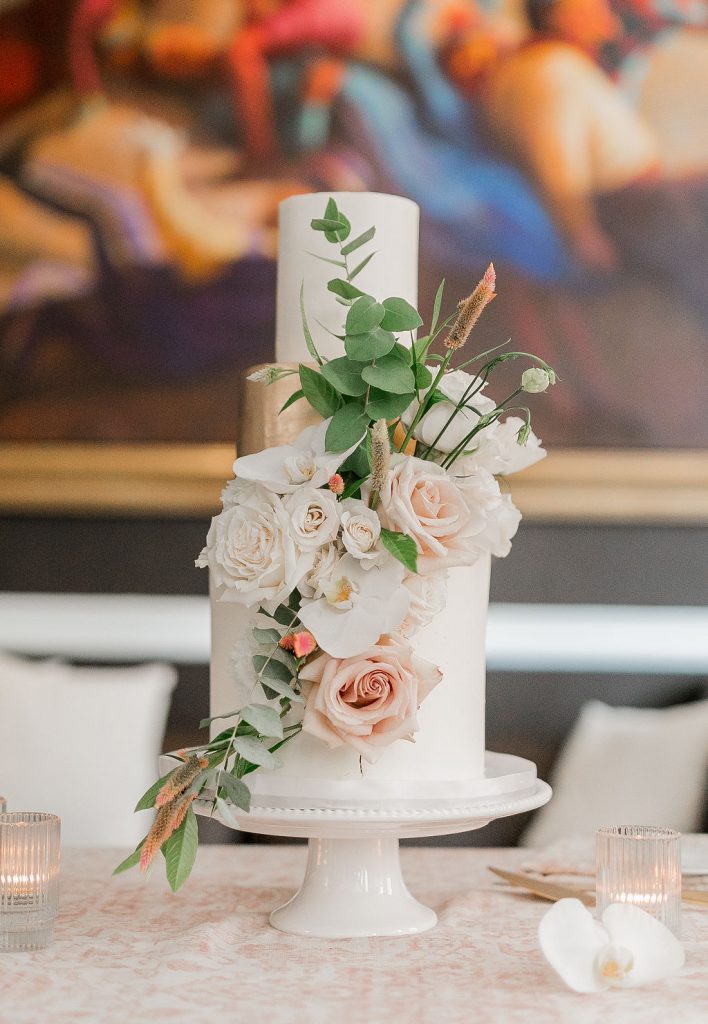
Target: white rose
{"x": 314, "y": 517}
{"x": 323, "y": 566}
{"x": 361, "y": 529}
{"x": 454, "y": 385}
{"x": 422, "y": 500}
{"x": 250, "y": 552}
{"x": 499, "y": 452}
{"x": 428, "y": 599}
{"x": 495, "y": 515}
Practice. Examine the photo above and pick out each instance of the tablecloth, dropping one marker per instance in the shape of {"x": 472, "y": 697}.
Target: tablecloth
{"x": 128, "y": 951}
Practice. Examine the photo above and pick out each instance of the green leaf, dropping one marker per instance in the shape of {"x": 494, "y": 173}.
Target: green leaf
{"x": 423, "y": 376}
{"x": 318, "y": 392}
{"x": 357, "y": 463}
{"x": 400, "y": 315}
{"x": 343, "y": 288}
{"x": 266, "y": 636}
{"x": 347, "y": 427}
{"x": 382, "y": 406}
{"x": 306, "y": 328}
{"x": 360, "y": 266}
{"x": 270, "y": 668}
{"x": 402, "y": 547}
{"x": 180, "y": 851}
{"x": 420, "y": 348}
{"x": 326, "y": 224}
{"x": 282, "y": 614}
{"x": 390, "y": 374}
{"x": 362, "y": 239}
{"x": 335, "y": 263}
{"x": 363, "y": 348}
{"x": 131, "y": 860}
{"x": 339, "y": 233}
{"x": 236, "y": 790}
{"x": 402, "y": 352}
{"x": 295, "y": 397}
{"x": 147, "y": 800}
{"x": 331, "y": 209}
{"x": 364, "y": 314}
{"x": 345, "y": 376}
{"x": 264, "y": 719}
{"x": 276, "y": 687}
{"x": 256, "y": 752}
{"x": 436, "y": 306}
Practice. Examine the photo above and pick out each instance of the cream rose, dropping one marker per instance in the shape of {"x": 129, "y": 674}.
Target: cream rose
{"x": 428, "y": 599}
{"x": 314, "y": 517}
{"x": 323, "y": 566}
{"x": 495, "y": 515}
{"x": 361, "y": 529}
{"x": 421, "y": 499}
{"x": 250, "y": 552}
{"x": 455, "y": 385}
{"x": 370, "y": 700}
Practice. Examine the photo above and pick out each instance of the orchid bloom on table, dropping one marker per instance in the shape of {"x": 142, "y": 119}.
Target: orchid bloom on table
{"x": 285, "y": 468}
{"x": 630, "y": 947}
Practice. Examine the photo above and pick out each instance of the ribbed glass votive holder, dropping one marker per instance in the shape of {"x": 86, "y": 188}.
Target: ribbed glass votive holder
{"x": 29, "y": 879}
{"x": 640, "y": 864}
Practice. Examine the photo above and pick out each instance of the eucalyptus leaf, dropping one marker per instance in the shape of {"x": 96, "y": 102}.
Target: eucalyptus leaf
{"x": 364, "y": 314}
{"x": 360, "y": 266}
{"x": 325, "y": 259}
{"x": 326, "y": 224}
{"x": 256, "y": 752}
{"x": 345, "y": 375}
{"x": 344, "y": 289}
{"x": 236, "y": 790}
{"x": 348, "y": 426}
{"x": 383, "y": 406}
{"x": 358, "y": 462}
{"x": 400, "y": 315}
{"x": 374, "y": 344}
{"x": 331, "y": 209}
{"x": 436, "y": 306}
{"x": 271, "y": 668}
{"x": 264, "y": 719}
{"x": 402, "y": 547}
{"x": 318, "y": 391}
{"x": 295, "y": 397}
{"x": 282, "y": 614}
{"x": 423, "y": 376}
{"x": 226, "y": 813}
{"x": 266, "y": 636}
{"x": 360, "y": 240}
{"x": 339, "y": 233}
{"x": 390, "y": 374}
{"x": 277, "y": 687}
{"x": 180, "y": 851}
{"x": 311, "y": 348}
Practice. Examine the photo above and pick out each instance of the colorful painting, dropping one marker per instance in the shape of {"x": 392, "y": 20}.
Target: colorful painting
{"x": 565, "y": 140}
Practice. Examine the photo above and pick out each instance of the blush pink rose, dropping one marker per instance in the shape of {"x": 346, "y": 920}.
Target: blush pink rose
{"x": 369, "y": 700}
{"x": 421, "y": 499}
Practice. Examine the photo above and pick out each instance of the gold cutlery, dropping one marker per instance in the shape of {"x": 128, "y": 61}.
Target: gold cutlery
{"x": 554, "y": 891}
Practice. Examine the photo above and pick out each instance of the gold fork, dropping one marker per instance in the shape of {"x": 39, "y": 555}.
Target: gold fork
{"x": 554, "y": 891}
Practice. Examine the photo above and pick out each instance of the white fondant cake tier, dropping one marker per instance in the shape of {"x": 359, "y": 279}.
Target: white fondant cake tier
{"x": 392, "y": 271}
{"x": 447, "y": 755}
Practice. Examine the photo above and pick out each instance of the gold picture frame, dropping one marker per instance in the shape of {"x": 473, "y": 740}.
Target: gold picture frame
{"x": 185, "y": 480}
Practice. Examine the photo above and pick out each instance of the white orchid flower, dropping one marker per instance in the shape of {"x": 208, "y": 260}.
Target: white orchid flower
{"x": 628, "y": 949}
{"x": 285, "y": 468}
{"x": 358, "y": 605}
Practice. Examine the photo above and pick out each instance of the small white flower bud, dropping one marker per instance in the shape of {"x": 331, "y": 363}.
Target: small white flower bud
{"x": 536, "y": 379}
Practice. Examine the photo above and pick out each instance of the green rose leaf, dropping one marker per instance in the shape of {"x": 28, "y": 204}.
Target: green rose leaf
{"x": 271, "y": 668}
{"x": 364, "y": 314}
{"x": 344, "y": 289}
{"x": 264, "y": 719}
{"x": 318, "y": 391}
{"x": 390, "y": 374}
{"x": 357, "y": 242}
{"x": 374, "y": 344}
{"x": 347, "y": 427}
{"x": 236, "y": 790}
{"x": 382, "y": 406}
{"x": 180, "y": 851}
{"x": 402, "y": 547}
{"x": 345, "y": 376}
{"x": 400, "y": 316}
{"x": 256, "y": 752}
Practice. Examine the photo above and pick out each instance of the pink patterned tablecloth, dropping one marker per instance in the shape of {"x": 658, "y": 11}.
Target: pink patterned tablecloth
{"x": 128, "y": 951}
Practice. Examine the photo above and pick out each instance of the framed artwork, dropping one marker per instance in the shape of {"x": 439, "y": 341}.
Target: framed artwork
{"x": 145, "y": 146}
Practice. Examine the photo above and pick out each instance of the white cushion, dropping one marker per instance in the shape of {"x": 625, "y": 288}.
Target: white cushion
{"x": 627, "y": 766}
{"x": 82, "y": 743}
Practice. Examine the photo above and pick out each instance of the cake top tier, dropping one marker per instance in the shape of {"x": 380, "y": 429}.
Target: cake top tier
{"x": 393, "y": 270}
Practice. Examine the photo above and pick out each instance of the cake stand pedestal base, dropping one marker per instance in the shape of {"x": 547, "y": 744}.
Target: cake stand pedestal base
{"x": 353, "y": 888}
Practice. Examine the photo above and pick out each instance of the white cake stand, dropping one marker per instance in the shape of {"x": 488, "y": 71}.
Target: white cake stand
{"x": 353, "y": 886}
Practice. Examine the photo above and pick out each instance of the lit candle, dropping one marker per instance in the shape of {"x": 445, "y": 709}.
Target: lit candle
{"x": 640, "y": 865}
{"x": 29, "y": 879}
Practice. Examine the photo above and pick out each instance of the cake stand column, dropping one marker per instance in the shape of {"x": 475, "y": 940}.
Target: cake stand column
{"x": 353, "y": 888}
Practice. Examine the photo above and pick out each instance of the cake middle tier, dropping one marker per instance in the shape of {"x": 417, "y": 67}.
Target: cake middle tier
{"x": 447, "y": 751}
